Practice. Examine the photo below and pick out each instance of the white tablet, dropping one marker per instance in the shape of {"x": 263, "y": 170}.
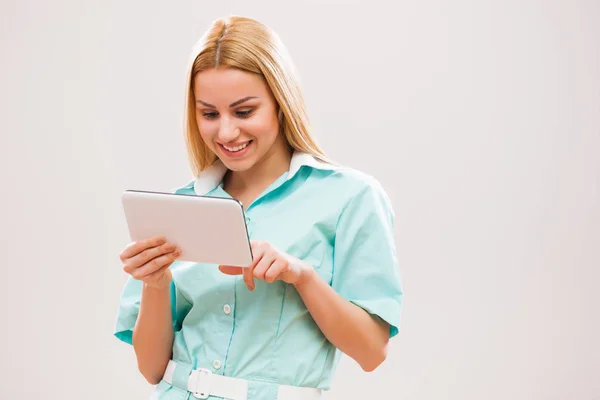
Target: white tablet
{"x": 206, "y": 229}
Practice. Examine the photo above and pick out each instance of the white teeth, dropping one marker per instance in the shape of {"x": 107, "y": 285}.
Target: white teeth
{"x": 238, "y": 148}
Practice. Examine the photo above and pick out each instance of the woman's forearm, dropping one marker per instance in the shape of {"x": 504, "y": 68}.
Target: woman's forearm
{"x": 347, "y": 326}
{"x": 153, "y": 333}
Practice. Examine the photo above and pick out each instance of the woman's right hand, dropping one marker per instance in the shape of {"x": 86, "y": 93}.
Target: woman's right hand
{"x": 149, "y": 260}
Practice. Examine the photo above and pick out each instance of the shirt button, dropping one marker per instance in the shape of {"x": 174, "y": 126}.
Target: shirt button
{"x": 217, "y": 364}
{"x": 227, "y": 309}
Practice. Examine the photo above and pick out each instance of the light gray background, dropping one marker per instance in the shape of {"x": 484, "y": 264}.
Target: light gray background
{"x": 480, "y": 118}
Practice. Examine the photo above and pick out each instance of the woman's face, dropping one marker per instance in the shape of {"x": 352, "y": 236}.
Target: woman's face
{"x": 237, "y": 116}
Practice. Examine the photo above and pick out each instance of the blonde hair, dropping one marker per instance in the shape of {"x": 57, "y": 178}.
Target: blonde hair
{"x": 248, "y": 45}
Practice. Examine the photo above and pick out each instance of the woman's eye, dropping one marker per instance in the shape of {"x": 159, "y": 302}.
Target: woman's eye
{"x": 244, "y": 114}
{"x": 210, "y": 115}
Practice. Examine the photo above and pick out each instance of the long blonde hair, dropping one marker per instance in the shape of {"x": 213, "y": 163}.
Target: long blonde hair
{"x": 248, "y": 45}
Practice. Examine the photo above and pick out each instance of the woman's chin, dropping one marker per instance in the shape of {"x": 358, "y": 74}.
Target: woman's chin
{"x": 238, "y": 165}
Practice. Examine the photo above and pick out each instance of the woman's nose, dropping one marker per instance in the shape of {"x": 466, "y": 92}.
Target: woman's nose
{"x": 228, "y": 132}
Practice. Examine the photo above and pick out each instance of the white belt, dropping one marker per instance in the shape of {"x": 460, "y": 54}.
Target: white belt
{"x": 202, "y": 383}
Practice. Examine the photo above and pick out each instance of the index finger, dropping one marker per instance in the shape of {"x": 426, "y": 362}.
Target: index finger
{"x": 137, "y": 247}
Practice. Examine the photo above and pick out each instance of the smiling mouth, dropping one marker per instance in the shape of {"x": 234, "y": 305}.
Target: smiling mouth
{"x": 235, "y": 150}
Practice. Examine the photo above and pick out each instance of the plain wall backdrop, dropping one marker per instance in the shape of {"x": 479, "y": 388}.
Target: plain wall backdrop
{"x": 481, "y": 119}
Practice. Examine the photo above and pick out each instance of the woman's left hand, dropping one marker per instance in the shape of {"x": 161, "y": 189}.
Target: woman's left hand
{"x": 270, "y": 265}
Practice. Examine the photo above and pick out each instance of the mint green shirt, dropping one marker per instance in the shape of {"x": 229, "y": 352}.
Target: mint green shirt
{"x": 337, "y": 219}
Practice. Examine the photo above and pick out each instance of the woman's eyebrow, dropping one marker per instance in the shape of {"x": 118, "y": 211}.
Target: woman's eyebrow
{"x": 205, "y": 104}
{"x": 235, "y": 103}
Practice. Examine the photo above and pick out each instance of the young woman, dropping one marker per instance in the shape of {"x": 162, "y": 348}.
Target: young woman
{"x": 324, "y": 279}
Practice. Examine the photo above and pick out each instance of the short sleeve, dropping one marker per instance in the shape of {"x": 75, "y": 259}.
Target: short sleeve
{"x": 129, "y": 307}
{"x": 365, "y": 264}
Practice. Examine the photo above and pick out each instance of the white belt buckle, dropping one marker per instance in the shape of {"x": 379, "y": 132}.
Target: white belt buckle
{"x": 199, "y": 383}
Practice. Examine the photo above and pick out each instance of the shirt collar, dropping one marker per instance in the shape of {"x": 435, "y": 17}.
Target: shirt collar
{"x": 212, "y": 176}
